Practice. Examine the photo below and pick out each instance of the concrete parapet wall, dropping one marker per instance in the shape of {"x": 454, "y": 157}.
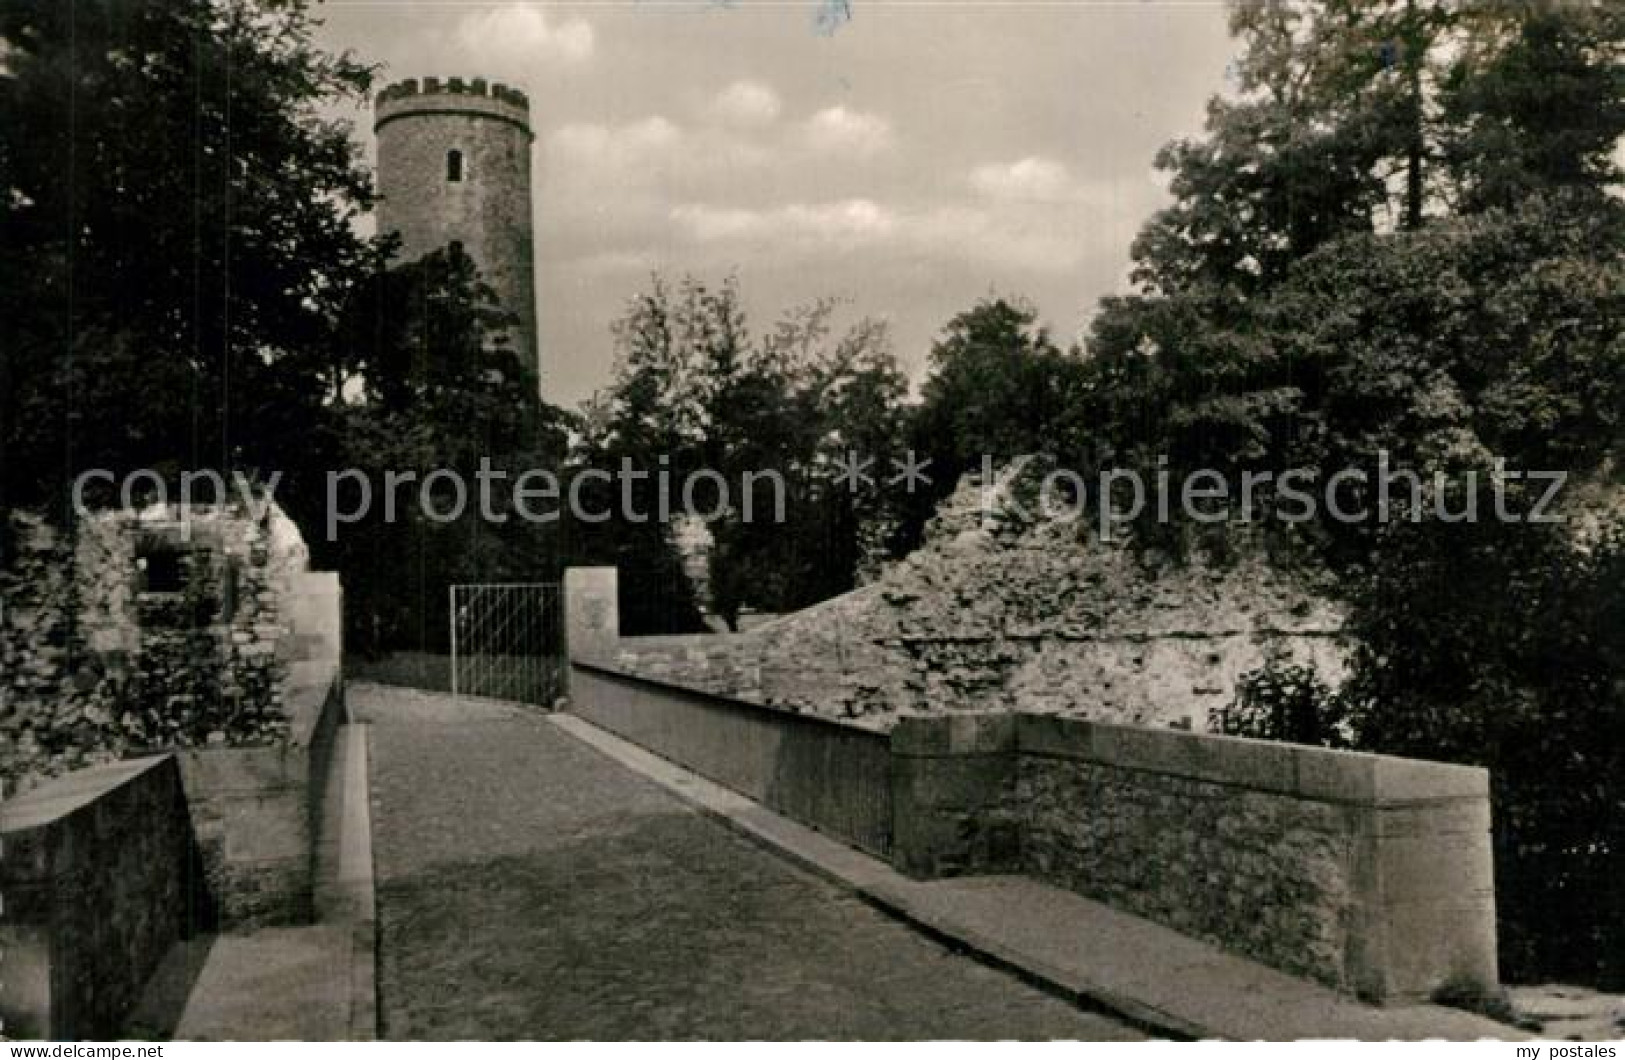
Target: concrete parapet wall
{"x": 100, "y": 879}
{"x": 832, "y": 777}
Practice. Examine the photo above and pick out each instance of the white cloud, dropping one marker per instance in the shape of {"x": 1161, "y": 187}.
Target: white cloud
{"x": 1001, "y": 238}
{"x": 712, "y": 224}
{"x": 615, "y": 146}
{"x": 846, "y": 222}
{"x": 613, "y": 262}
{"x": 839, "y": 130}
{"x": 1031, "y": 179}
{"x": 653, "y": 157}
{"x": 748, "y": 103}
{"x": 1039, "y": 181}
{"x": 958, "y": 234}
{"x": 515, "y": 38}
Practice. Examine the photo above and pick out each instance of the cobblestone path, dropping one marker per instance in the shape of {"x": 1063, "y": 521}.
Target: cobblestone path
{"x": 530, "y": 888}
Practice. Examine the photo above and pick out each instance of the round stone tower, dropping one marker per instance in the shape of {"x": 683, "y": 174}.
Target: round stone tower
{"x": 454, "y": 167}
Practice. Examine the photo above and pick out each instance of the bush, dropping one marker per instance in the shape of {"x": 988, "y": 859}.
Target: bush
{"x": 1284, "y": 701}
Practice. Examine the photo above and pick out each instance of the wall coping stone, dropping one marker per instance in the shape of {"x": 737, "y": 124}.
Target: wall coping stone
{"x": 61, "y": 796}
{"x": 1064, "y": 636}
{"x": 955, "y": 734}
{"x": 1297, "y": 770}
{"x": 743, "y": 706}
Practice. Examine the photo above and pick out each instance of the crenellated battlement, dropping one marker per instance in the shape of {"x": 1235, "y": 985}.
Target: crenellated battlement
{"x": 421, "y": 90}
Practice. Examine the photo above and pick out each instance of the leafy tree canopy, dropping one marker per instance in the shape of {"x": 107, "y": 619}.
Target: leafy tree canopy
{"x": 696, "y": 388}
{"x": 177, "y": 217}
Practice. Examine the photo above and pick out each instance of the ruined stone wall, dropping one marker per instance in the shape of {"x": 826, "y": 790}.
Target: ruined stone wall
{"x": 232, "y": 657}
{"x": 727, "y": 664}
{"x": 97, "y": 663}
{"x": 1003, "y": 609}
{"x": 39, "y": 640}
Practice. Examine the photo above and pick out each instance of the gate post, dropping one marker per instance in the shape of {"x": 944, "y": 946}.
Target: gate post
{"x": 592, "y": 614}
{"x": 451, "y": 592}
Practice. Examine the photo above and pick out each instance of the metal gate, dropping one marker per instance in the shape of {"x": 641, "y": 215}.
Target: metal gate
{"x": 507, "y": 642}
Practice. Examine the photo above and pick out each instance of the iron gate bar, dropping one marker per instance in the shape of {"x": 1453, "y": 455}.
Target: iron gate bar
{"x": 507, "y": 640}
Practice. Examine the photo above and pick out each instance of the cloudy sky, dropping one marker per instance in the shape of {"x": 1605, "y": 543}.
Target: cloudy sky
{"x": 909, "y": 160}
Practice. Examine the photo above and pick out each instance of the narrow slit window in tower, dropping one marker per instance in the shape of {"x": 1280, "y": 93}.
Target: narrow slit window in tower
{"x": 454, "y": 166}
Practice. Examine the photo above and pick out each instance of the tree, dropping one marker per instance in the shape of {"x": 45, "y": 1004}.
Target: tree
{"x": 696, "y": 389}
{"x": 1330, "y": 104}
{"x": 177, "y": 230}
{"x": 1536, "y": 102}
{"x": 999, "y": 387}
{"x": 1503, "y": 646}
{"x": 1404, "y": 238}
{"x": 1273, "y": 332}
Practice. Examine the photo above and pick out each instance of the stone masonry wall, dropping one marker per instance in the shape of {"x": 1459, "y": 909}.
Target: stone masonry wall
{"x": 1003, "y": 609}
{"x": 1370, "y": 874}
{"x": 1257, "y": 873}
{"x": 39, "y": 641}
{"x": 488, "y": 210}
{"x": 99, "y": 879}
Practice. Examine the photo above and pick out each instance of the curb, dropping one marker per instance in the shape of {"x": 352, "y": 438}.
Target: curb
{"x": 364, "y": 940}
{"x": 1148, "y": 1019}
{"x": 356, "y": 885}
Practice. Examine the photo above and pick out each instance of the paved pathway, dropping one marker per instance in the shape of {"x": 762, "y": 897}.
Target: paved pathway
{"x": 528, "y": 887}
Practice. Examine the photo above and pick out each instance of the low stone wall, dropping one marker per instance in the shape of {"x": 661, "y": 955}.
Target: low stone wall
{"x": 1370, "y": 874}
{"x": 100, "y": 878}
{"x": 832, "y": 777}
